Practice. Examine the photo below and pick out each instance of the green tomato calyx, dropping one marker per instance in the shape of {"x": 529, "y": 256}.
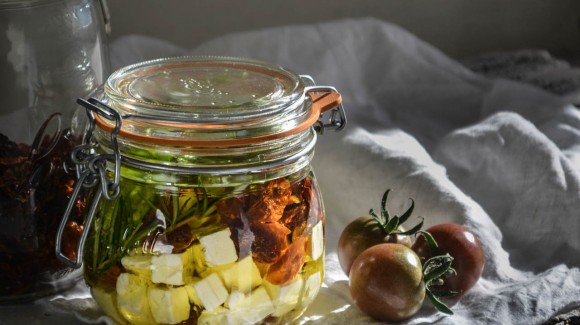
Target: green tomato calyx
{"x": 435, "y": 270}
{"x": 390, "y": 225}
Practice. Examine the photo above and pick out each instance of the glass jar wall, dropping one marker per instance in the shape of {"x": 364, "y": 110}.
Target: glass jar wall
{"x": 51, "y": 52}
{"x": 201, "y": 203}
{"x": 205, "y": 254}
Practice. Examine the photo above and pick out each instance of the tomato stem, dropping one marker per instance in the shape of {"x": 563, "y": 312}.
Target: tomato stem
{"x": 431, "y": 242}
{"x": 384, "y": 211}
{"x": 439, "y": 305}
{"x": 407, "y": 213}
{"x": 412, "y": 230}
{"x": 389, "y": 225}
{"x": 434, "y": 269}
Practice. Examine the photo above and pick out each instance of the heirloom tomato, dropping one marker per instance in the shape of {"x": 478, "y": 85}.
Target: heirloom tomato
{"x": 459, "y": 242}
{"x": 386, "y": 282}
{"x": 373, "y": 229}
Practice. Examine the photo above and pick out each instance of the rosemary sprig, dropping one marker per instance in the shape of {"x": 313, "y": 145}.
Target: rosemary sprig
{"x": 121, "y": 224}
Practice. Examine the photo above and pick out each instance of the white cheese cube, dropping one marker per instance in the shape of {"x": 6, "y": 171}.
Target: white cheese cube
{"x": 219, "y": 248}
{"x": 132, "y": 300}
{"x": 138, "y": 265}
{"x": 169, "y": 305}
{"x": 317, "y": 241}
{"x": 285, "y": 297}
{"x": 217, "y": 316}
{"x": 108, "y": 303}
{"x": 216, "y": 269}
{"x": 235, "y": 299}
{"x": 174, "y": 269}
{"x": 211, "y": 291}
{"x": 244, "y": 309}
{"x": 250, "y": 308}
{"x": 242, "y": 276}
{"x": 192, "y": 294}
{"x": 311, "y": 287}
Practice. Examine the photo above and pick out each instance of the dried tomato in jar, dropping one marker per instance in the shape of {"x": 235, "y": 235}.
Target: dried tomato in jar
{"x": 51, "y": 52}
{"x": 206, "y": 208}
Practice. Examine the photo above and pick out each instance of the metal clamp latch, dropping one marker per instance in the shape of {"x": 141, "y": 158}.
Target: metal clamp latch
{"x": 328, "y": 98}
{"x": 91, "y": 169}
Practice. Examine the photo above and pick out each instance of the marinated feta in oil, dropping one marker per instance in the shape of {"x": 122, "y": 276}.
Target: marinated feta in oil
{"x": 194, "y": 256}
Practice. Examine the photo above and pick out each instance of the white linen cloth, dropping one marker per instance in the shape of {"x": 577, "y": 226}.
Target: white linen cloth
{"x": 498, "y": 156}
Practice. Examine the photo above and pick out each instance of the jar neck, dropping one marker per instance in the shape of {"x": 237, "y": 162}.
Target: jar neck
{"x": 212, "y": 166}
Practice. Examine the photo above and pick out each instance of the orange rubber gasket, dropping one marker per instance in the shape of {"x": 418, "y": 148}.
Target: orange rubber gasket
{"x": 321, "y": 102}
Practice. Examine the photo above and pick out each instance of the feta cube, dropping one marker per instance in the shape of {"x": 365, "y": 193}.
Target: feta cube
{"x": 173, "y": 269}
{"x": 284, "y": 297}
{"x": 234, "y": 299}
{"x": 317, "y": 241}
{"x": 132, "y": 300}
{"x": 250, "y": 308}
{"x": 211, "y": 291}
{"x": 242, "y": 276}
{"x": 192, "y": 294}
{"x": 218, "y": 315}
{"x": 138, "y": 265}
{"x": 311, "y": 287}
{"x": 168, "y": 305}
{"x": 218, "y": 248}
{"x": 244, "y": 309}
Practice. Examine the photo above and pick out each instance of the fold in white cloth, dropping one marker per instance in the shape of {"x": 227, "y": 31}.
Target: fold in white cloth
{"x": 498, "y": 156}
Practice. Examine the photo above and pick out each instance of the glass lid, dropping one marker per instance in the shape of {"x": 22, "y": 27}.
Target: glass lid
{"x": 208, "y": 89}
{"x": 190, "y": 88}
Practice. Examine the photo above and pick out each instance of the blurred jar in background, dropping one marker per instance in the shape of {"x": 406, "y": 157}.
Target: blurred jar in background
{"x": 51, "y": 52}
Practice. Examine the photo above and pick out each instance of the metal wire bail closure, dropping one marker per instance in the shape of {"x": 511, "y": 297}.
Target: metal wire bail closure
{"x": 91, "y": 169}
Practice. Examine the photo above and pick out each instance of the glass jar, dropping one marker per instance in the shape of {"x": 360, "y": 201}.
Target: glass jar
{"x": 201, "y": 202}
{"x": 51, "y": 52}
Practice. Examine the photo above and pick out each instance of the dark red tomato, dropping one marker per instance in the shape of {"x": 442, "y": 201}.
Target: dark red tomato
{"x": 386, "y": 282}
{"x": 361, "y": 234}
{"x": 463, "y": 246}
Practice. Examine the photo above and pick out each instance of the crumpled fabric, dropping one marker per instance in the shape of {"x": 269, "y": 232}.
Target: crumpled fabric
{"x": 497, "y": 156}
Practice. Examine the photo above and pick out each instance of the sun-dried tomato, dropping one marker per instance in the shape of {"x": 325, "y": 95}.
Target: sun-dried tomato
{"x": 70, "y": 239}
{"x": 288, "y": 265}
{"x": 33, "y": 195}
{"x": 270, "y": 241}
{"x": 305, "y": 210}
{"x": 232, "y": 210}
{"x": 309, "y": 194}
{"x": 303, "y": 189}
{"x": 295, "y": 216}
{"x": 180, "y": 238}
{"x": 267, "y": 203}
{"x": 263, "y": 220}
{"x": 265, "y": 210}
